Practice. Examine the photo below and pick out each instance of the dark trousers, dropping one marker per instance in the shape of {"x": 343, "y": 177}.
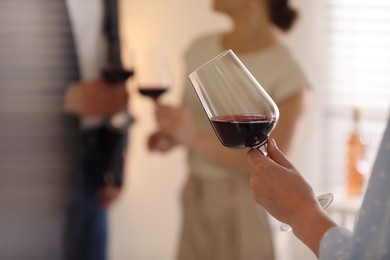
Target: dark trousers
{"x": 86, "y": 229}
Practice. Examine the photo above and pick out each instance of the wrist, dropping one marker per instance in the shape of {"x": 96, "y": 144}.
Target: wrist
{"x": 120, "y": 121}
{"x": 311, "y": 225}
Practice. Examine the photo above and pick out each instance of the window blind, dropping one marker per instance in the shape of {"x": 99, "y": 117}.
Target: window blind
{"x": 357, "y": 73}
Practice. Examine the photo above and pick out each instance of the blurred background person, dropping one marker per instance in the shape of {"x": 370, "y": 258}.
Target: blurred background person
{"x": 57, "y": 152}
{"x": 220, "y": 220}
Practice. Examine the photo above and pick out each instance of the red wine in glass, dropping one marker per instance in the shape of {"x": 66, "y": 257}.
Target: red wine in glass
{"x": 239, "y": 131}
{"x": 153, "y": 76}
{"x": 152, "y": 91}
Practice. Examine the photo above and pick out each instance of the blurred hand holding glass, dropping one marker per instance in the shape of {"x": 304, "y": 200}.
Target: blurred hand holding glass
{"x": 154, "y": 79}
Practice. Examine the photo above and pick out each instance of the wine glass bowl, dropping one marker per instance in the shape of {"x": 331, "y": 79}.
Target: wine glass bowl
{"x": 240, "y": 111}
{"x": 153, "y": 77}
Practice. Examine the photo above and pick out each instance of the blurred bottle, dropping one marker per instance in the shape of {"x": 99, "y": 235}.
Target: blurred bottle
{"x": 355, "y": 151}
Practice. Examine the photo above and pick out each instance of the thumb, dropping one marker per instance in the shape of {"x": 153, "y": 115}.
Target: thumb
{"x": 277, "y": 156}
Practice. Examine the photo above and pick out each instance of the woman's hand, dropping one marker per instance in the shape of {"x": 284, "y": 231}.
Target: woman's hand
{"x": 176, "y": 123}
{"x": 278, "y": 186}
{"x": 95, "y": 98}
{"x": 285, "y": 194}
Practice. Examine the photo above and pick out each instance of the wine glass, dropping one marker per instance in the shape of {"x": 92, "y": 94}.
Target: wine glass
{"x": 153, "y": 77}
{"x": 240, "y": 111}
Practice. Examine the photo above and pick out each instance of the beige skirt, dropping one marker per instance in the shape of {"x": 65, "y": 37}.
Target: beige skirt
{"x": 221, "y": 221}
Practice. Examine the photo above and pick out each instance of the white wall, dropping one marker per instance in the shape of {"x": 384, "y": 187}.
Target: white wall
{"x": 145, "y": 222}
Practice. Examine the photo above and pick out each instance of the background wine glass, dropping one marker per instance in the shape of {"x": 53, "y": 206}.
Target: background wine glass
{"x": 153, "y": 77}
{"x": 240, "y": 111}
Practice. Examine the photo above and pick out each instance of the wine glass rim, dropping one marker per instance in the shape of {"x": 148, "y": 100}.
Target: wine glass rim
{"x": 212, "y": 60}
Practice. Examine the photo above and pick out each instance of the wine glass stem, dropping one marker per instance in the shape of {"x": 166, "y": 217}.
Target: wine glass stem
{"x": 263, "y": 148}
